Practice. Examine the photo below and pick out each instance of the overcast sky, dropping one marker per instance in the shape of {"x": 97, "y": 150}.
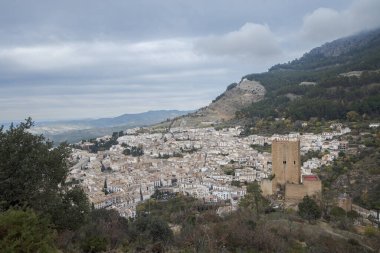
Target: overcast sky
{"x": 95, "y": 58}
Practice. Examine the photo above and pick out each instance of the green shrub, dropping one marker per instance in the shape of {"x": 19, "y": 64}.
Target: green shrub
{"x": 370, "y": 231}
{"x": 24, "y": 231}
{"x": 308, "y": 209}
{"x": 337, "y": 212}
{"x": 353, "y": 241}
{"x": 94, "y": 244}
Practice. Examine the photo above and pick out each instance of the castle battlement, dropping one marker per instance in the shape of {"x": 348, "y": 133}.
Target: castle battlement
{"x": 286, "y": 139}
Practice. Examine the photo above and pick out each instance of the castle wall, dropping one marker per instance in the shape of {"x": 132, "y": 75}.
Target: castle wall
{"x": 313, "y": 187}
{"x": 294, "y": 193}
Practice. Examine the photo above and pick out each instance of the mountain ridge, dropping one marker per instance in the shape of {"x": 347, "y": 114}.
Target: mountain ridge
{"x": 343, "y": 50}
{"x": 342, "y": 81}
{"x": 222, "y": 108}
{"x": 76, "y": 130}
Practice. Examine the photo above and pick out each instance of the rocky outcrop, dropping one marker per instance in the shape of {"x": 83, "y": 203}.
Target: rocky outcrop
{"x": 224, "y": 107}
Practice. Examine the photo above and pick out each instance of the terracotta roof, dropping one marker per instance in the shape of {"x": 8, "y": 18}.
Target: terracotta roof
{"x": 310, "y": 177}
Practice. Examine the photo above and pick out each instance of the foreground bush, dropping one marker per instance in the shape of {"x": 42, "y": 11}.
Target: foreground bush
{"x": 24, "y": 231}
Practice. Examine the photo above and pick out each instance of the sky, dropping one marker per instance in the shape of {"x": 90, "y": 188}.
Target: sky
{"x": 95, "y": 58}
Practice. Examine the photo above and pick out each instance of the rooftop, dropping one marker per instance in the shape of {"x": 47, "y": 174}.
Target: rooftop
{"x": 310, "y": 178}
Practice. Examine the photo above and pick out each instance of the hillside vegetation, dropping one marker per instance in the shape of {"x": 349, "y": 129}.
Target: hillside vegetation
{"x": 321, "y": 83}
{"x": 41, "y": 212}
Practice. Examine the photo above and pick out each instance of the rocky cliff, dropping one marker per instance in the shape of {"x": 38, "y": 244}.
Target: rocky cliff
{"x": 224, "y": 107}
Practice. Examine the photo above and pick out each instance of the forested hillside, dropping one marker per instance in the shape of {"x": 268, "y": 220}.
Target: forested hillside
{"x": 328, "y": 82}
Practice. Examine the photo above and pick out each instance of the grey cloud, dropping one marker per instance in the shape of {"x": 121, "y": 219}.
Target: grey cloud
{"x": 325, "y": 24}
{"x": 161, "y": 54}
{"x": 24, "y": 21}
{"x": 250, "y": 41}
{"x": 94, "y": 58}
{"x": 72, "y": 55}
{"x": 102, "y": 62}
{"x": 109, "y": 102}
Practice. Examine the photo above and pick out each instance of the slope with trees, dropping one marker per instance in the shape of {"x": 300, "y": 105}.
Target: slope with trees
{"x": 331, "y": 93}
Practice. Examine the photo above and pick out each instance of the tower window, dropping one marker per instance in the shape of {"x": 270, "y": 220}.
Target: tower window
{"x": 294, "y": 162}
{"x": 283, "y": 162}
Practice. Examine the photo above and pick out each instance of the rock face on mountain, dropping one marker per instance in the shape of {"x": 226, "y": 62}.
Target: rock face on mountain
{"x": 223, "y": 108}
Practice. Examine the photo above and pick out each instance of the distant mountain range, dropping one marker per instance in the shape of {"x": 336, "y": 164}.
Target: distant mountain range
{"x": 133, "y": 119}
{"x": 76, "y": 130}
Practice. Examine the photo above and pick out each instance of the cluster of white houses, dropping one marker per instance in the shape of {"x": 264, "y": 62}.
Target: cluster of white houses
{"x": 201, "y": 162}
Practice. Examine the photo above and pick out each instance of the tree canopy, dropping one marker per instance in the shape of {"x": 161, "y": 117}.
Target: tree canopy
{"x": 308, "y": 209}
{"x": 33, "y": 174}
{"x": 24, "y": 231}
{"x": 254, "y": 200}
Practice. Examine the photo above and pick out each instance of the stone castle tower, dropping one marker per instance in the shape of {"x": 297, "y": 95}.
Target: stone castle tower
{"x": 286, "y": 168}
{"x": 286, "y": 162}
